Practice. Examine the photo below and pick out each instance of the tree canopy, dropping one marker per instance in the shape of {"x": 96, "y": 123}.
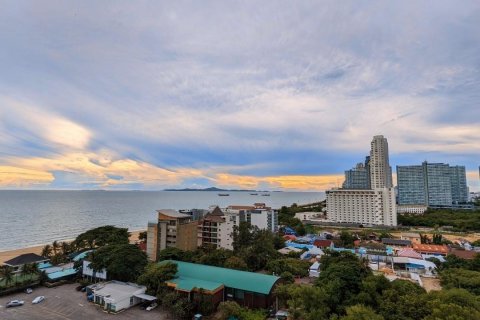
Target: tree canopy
{"x": 124, "y": 262}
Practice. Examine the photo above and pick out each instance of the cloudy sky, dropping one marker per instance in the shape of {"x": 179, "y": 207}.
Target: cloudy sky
{"x": 250, "y": 94}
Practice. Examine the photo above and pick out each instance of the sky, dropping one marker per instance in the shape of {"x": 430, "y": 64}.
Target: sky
{"x": 278, "y": 95}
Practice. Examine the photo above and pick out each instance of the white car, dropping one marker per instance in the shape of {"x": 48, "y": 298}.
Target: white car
{"x": 38, "y": 299}
{"x": 152, "y": 306}
{"x": 15, "y": 303}
{"x": 28, "y": 290}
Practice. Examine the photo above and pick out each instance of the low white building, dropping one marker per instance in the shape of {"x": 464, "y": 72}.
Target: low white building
{"x": 314, "y": 270}
{"x": 416, "y": 209}
{"x": 115, "y": 296}
{"x": 89, "y": 272}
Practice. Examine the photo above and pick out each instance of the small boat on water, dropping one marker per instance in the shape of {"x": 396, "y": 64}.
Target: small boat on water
{"x": 266, "y": 195}
{"x": 223, "y": 194}
{"x": 254, "y": 194}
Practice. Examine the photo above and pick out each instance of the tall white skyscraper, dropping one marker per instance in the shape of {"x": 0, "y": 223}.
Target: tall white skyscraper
{"x": 372, "y": 206}
{"x": 380, "y": 170}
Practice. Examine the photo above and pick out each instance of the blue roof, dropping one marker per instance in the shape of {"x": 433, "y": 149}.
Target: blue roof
{"x": 61, "y": 274}
{"x": 81, "y": 255}
{"x": 44, "y": 265}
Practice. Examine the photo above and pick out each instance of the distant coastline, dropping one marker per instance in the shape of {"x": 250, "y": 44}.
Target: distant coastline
{"x": 214, "y": 189}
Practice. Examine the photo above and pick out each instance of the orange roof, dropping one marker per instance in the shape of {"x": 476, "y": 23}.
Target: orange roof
{"x": 434, "y": 248}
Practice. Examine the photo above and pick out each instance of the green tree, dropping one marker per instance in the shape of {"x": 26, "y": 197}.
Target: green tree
{"x": 461, "y": 278}
{"x": 347, "y": 239}
{"x": 142, "y": 236}
{"x": 453, "y": 304}
{"x": 7, "y": 274}
{"x": 155, "y": 275}
{"x": 124, "y": 262}
{"x": 404, "y": 300}
{"x": 361, "y": 312}
{"x": 47, "y": 251}
{"x": 55, "y": 247}
{"x": 236, "y": 263}
{"x": 242, "y": 236}
{"x": 102, "y": 236}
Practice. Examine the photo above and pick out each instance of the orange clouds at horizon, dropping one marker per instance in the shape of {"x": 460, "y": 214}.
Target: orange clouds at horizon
{"x": 105, "y": 170}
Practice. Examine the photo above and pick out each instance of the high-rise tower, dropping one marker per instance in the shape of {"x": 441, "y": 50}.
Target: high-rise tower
{"x": 380, "y": 170}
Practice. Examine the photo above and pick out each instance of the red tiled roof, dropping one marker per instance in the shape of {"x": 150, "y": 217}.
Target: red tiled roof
{"x": 322, "y": 243}
{"x": 434, "y": 248}
{"x": 409, "y": 253}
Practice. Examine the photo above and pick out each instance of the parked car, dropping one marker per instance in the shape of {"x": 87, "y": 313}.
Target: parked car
{"x": 281, "y": 315}
{"x": 28, "y": 290}
{"x": 144, "y": 305}
{"x": 38, "y": 299}
{"x": 152, "y": 306}
{"x": 15, "y": 303}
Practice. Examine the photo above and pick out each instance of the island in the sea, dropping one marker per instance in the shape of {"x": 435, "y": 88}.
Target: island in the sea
{"x": 215, "y": 189}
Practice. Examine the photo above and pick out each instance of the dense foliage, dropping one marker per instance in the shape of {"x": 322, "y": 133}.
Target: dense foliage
{"x": 347, "y": 290}
{"x": 230, "y": 309}
{"x": 460, "y": 220}
{"x": 124, "y": 262}
{"x": 102, "y": 236}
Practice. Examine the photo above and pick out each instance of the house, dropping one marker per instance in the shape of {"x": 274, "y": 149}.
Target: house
{"x": 412, "y": 236}
{"x": 312, "y": 253}
{"x": 250, "y": 289}
{"x": 18, "y": 262}
{"x": 396, "y": 242}
{"x": 115, "y": 296}
{"x": 434, "y": 249}
{"x": 88, "y": 272}
{"x": 415, "y": 265}
{"x": 463, "y": 254}
{"x": 323, "y": 244}
{"x": 409, "y": 253}
{"x": 314, "y": 270}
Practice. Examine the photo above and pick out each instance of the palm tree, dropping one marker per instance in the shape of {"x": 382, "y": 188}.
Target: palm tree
{"x": 25, "y": 270}
{"x": 66, "y": 249}
{"x": 47, "y": 251}
{"x": 34, "y": 268}
{"x": 55, "y": 247}
{"x": 7, "y": 273}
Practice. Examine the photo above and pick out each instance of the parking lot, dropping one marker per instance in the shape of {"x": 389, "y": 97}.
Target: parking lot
{"x": 66, "y": 303}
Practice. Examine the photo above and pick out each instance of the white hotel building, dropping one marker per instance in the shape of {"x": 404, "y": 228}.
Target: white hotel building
{"x": 374, "y": 206}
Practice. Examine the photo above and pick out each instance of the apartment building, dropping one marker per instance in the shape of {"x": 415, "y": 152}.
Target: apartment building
{"x": 258, "y": 215}
{"x": 367, "y": 207}
{"x": 373, "y": 206}
{"x": 432, "y": 184}
{"x": 172, "y": 229}
{"x": 216, "y": 229}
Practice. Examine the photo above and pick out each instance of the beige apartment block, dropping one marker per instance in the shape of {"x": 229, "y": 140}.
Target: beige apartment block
{"x": 172, "y": 229}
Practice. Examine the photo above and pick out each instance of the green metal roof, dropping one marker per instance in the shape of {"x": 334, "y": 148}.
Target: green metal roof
{"x": 191, "y": 275}
{"x": 187, "y": 284}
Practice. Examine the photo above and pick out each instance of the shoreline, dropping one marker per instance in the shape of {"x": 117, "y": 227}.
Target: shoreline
{"x": 9, "y": 254}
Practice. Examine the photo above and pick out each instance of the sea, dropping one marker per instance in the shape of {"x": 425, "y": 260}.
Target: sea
{"x": 30, "y": 218}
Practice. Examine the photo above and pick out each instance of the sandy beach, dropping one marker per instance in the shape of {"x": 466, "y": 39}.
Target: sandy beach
{"x": 7, "y": 255}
